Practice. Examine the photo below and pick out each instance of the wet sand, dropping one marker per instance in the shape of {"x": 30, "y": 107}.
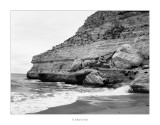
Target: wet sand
{"x": 129, "y": 104}
{"x": 131, "y": 110}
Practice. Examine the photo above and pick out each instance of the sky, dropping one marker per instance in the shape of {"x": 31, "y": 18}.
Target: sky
{"x": 34, "y": 32}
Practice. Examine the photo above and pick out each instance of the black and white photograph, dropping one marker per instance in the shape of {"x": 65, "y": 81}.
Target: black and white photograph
{"x": 80, "y": 62}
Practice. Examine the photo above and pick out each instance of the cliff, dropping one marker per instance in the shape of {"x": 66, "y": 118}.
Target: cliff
{"x": 102, "y": 33}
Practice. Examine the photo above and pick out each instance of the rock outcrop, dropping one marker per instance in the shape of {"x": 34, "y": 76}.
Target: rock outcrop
{"x": 67, "y": 77}
{"x": 141, "y": 83}
{"x": 76, "y": 65}
{"x": 110, "y": 42}
{"x": 127, "y": 57}
{"x": 87, "y": 63}
{"x": 92, "y": 77}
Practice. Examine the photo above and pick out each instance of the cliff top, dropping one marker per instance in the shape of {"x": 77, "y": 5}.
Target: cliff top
{"x": 103, "y": 27}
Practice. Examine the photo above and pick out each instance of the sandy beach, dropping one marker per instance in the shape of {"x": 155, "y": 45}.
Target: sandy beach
{"x": 138, "y": 105}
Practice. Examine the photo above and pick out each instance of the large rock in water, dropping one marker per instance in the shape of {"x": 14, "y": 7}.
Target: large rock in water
{"x": 126, "y": 57}
{"x": 94, "y": 79}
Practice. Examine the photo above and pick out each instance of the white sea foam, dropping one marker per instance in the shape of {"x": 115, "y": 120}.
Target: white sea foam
{"x": 35, "y": 104}
{"x": 31, "y": 103}
{"x": 107, "y": 92}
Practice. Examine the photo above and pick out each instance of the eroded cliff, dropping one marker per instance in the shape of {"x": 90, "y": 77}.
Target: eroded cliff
{"x": 102, "y": 33}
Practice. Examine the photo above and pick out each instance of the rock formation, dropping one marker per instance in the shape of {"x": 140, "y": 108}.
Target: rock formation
{"x": 141, "y": 83}
{"x": 115, "y": 44}
{"x": 76, "y": 65}
{"x": 127, "y": 57}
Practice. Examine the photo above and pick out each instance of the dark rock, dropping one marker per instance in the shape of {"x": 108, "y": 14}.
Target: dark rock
{"x": 140, "y": 88}
{"x": 67, "y": 77}
{"x": 100, "y": 77}
{"x": 32, "y": 75}
{"x": 114, "y": 76}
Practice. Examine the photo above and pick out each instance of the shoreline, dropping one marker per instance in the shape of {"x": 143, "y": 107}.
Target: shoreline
{"x": 139, "y": 106}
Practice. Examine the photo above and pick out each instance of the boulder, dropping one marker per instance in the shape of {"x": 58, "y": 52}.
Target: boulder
{"x": 126, "y": 57}
{"x": 94, "y": 79}
{"x": 125, "y": 60}
{"x": 86, "y": 63}
{"x": 76, "y": 65}
{"x": 141, "y": 83}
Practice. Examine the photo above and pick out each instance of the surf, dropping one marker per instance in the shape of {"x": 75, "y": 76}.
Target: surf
{"x": 23, "y": 103}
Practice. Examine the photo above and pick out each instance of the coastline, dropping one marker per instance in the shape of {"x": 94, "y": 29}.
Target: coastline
{"x": 139, "y": 106}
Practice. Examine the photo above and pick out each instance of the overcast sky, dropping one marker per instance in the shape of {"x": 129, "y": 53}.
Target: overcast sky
{"x": 33, "y": 32}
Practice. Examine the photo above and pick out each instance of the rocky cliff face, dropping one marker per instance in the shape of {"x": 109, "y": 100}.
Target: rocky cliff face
{"x": 100, "y": 36}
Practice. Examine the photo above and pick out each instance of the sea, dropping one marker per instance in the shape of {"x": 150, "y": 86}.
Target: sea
{"x": 31, "y": 96}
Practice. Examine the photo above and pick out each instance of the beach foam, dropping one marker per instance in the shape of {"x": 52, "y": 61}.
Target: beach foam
{"x": 107, "y": 92}
{"x": 31, "y": 103}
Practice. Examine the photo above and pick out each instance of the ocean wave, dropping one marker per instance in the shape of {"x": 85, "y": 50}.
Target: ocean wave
{"x": 30, "y": 103}
{"x": 33, "y": 103}
{"x": 106, "y": 92}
